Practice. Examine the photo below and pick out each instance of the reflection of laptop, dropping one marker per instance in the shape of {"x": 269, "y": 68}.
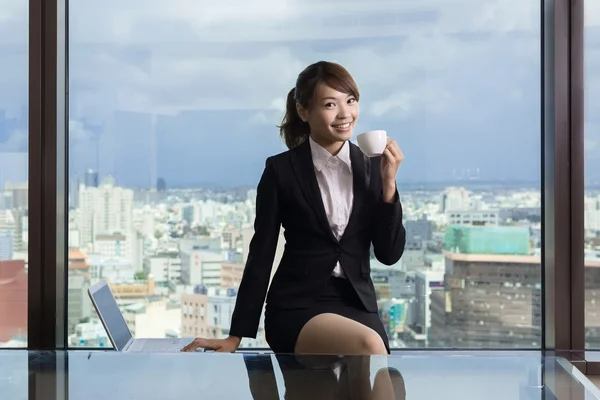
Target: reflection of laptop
{"x": 116, "y": 327}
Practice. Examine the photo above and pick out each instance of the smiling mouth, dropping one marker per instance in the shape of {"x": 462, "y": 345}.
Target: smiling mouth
{"x": 342, "y": 126}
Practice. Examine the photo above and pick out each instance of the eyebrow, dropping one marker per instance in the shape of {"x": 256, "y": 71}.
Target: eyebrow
{"x": 335, "y": 98}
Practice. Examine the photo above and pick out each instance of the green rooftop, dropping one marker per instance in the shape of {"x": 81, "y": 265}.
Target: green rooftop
{"x": 487, "y": 239}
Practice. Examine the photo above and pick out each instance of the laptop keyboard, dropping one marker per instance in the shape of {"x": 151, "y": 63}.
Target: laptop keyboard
{"x": 150, "y": 345}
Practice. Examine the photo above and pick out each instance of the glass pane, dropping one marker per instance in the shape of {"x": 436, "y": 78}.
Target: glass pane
{"x": 470, "y": 376}
{"x": 14, "y": 22}
{"x": 14, "y": 371}
{"x": 592, "y": 174}
{"x": 174, "y": 108}
{"x": 526, "y": 376}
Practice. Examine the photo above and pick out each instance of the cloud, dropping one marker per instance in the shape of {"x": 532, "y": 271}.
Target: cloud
{"x": 281, "y": 20}
{"x": 16, "y": 142}
{"x": 181, "y": 77}
{"x": 441, "y": 69}
{"x": 136, "y": 20}
{"x": 592, "y": 14}
{"x": 592, "y": 90}
{"x": 13, "y": 21}
{"x": 78, "y": 131}
{"x": 470, "y": 67}
{"x": 398, "y": 103}
{"x": 279, "y": 104}
{"x": 591, "y": 148}
{"x": 266, "y": 118}
{"x": 233, "y": 56}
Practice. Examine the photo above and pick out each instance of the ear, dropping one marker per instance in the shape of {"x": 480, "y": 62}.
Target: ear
{"x": 302, "y": 112}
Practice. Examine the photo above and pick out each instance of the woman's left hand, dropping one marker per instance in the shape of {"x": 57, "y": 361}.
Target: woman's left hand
{"x": 390, "y": 161}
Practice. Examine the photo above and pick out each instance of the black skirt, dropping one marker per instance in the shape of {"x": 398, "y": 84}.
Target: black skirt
{"x": 282, "y": 327}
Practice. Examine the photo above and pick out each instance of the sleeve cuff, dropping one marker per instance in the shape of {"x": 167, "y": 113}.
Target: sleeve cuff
{"x": 390, "y": 211}
{"x": 395, "y": 200}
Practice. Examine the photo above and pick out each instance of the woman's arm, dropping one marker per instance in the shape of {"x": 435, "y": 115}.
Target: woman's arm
{"x": 388, "y": 233}
{"x": 257, "y": 272}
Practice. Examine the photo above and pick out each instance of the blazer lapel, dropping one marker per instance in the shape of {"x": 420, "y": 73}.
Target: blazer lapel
{"x": 304, "y": 170}
{"x": 360, "y": 183}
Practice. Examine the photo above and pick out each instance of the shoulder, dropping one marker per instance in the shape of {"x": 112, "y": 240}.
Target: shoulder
{"x": 277, "y": 159}
{"x": 283, "y": 158}
{"x": 275, "y": 165}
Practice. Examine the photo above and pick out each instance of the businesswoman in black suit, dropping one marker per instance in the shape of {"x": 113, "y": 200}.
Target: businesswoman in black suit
{"x": 333, "y": 203}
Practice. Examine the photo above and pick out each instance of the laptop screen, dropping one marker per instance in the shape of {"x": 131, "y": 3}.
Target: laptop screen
{"x": 112, "y": 317}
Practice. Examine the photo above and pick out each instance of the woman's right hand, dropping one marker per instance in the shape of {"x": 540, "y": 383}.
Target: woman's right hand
{"x": 227, "y": 345}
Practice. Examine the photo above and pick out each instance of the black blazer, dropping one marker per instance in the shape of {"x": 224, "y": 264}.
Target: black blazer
{"x": 288, "y": 195}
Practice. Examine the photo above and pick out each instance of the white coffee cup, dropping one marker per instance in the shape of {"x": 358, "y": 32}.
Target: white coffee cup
{"x": 372, "y": 143}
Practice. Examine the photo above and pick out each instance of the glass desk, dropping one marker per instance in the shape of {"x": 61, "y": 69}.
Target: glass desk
{"x": 82, "y": 374}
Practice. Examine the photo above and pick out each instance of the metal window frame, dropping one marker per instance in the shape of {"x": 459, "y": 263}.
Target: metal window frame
{"x": 562, "y": 175}
{"x": 48, "y": 122}
{"x": 562, "y": 188}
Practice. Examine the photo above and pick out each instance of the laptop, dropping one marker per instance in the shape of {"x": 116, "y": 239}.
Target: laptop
{"x": 117, "y": 330}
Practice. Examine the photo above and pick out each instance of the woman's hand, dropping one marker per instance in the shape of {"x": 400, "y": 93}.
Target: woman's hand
{"x": 227, "y": 345}
{"x": 390, "y": 162}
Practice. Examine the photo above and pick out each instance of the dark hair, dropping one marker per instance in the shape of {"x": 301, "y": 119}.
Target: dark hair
{"x": 293, "y": 130}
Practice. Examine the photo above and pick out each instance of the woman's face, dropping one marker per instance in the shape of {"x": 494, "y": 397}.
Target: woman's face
{"x": 332, "y": 115}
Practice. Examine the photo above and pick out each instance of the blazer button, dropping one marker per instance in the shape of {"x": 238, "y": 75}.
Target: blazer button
{"x": 338, "y": 250}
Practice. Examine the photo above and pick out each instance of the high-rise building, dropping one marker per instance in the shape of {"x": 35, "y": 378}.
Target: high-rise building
{"x": 455, "y": 199}
{"x": 13, "y": 166}
{"x": 592, "y": 215}
{"x": 474, "y": 217}
{"x": 107, "y": 209}
{"x": 419, "y": 230}
{"x": 491, "y": 295}
{"x": 6, "y": 245}
{"x": 426, "y": 282}
{"x": 6, "y": 200}
{"x": 489, "y": 300}
{"x": 19, "y": 193}
{"x": 164, "y": 266}
{"x": 91, "y": 178}
{"x": 187, "y": 213}
{"x": 13, "y": 300}
{"x": 161, "y": 185}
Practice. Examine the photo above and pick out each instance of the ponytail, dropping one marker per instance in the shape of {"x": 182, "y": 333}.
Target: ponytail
{"x": 293, "y": 130}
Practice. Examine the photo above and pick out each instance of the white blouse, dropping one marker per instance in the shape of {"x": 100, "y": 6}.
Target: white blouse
{"x": 334, "y": 175}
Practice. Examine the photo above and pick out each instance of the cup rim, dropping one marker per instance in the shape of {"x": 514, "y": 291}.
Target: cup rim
{"x": 375, "y": 131}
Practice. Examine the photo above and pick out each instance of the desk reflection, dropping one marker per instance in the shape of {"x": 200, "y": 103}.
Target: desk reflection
{"x": 324, "y": 377}
{"x": 106, "y": 374}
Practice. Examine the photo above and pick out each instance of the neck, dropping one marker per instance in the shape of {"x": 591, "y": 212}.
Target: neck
{"x": 333, "y": 147}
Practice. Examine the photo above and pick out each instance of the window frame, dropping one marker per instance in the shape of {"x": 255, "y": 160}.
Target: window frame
{"x": 48, "y": 146}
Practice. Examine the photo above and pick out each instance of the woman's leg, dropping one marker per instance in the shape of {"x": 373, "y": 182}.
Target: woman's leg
{"x": 389, "y": 384}
{"x": 334, "y": 334}
{"x": 337, "y": 335}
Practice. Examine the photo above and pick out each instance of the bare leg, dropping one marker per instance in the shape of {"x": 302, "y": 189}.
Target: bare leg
{"x": 389, "y": 384}
{"x": 337, "y": 335}
{"x": 334, "y": 334}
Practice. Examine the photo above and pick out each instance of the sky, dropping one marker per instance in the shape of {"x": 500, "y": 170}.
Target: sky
{"x": 192, "y": 91}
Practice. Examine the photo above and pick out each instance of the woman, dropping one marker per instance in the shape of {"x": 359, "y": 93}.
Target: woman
{"x": 333, "y": 203}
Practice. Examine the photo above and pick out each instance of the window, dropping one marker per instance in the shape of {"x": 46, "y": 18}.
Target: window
{"x": 174, "y": 110}
{"x": 13, "y": 173}
{"x": 592, "y": 175}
